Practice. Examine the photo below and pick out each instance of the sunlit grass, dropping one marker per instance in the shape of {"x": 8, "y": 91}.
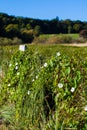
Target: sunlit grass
{"x": 74, "y": 36}
{"x": 47, "y": 55}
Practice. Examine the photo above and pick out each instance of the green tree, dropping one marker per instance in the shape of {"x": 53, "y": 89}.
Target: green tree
{"x": 83, "y": 33}
{"x": 28, "y": 26}
{"x": 76, "y": 27}
{"x": 27, "y": 35}
{"x": 69, "y": 29}
{"x": 12, "y": 30}
{"x": 68, "y": 23}
{"x": 37, "y": 31}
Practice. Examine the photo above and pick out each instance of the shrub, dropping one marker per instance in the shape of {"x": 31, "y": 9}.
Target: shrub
{"x": 37, "y": 31}
{"x": 54, "y": 39}
{"x": 5, "y": 41}
{"x": 16, "y": 40}
{"x": 80, "y": 40}
{"x": 83, "y": 33}
{"x": 60, "y": 39}
{"x": 40, "y": 40}
{"x": 27, "y": 35}
{"x": 8, "y": 41}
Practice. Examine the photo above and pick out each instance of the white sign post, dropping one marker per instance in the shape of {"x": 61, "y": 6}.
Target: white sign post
{"x": 22, "y": 47}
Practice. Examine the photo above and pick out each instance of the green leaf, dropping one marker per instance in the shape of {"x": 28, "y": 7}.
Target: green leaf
{"x": 67, "y": 71}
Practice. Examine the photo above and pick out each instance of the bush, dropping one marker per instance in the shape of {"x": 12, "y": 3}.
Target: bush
{"x": 39, "y": 40}
{"x": 80, "y": 40}
{"x": 8, "y": 41}
{"x": 83, "y": 33}
{"x": 5, "y": 41}
{"x": 54, "y": 39}
{"x": 27, "y": 36}
{"x": 60, "y": 39}
{"x": 16, "y": 40}
{"x": 37, "y": 31}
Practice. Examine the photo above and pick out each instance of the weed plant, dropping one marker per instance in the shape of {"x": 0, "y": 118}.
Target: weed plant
{"x": 46, "y": 94}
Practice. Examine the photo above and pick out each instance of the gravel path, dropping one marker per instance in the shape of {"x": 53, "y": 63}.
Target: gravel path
{"x": 77, "y": 44}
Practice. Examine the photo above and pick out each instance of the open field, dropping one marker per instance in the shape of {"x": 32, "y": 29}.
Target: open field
{"x": 57, "y": 39}
{"x": 74, "y": 36}
{"x": 6, "y": 52}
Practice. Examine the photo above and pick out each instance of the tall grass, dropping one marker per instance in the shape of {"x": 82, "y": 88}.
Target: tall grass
{"x": 46, "y": 85}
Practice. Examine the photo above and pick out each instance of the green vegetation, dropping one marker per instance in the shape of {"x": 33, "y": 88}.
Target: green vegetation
{"x": 27, "y": 29}
{"x": 44, "y": 39}
{"x": 83, "y": 33}
{"x": 58, "y": 39}
{"x": 44, "y": 88}
{"x": 74, "y": 36}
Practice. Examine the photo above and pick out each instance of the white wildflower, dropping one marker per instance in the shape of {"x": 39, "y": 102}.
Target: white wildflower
{"x": 22, "y": 47}
{"x": 36, "y": 77}
{"x": 60, "y": 85}
{"x": 45, "y": 64}
{"x": 28, "y": 92}
{"x": 72, "y": 89}
{"x": 85, "y": 108}
{"x": 58, "y": 54}
{"x": 9, "y": 85}
{"x": 32, "y": 80}
{"x": 16, "y": 67}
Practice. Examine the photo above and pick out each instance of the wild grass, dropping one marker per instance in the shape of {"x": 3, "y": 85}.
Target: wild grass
{"x": 48, "y": 66}
{"x": 74, "y": 36}
{"x": 58, "y": 39}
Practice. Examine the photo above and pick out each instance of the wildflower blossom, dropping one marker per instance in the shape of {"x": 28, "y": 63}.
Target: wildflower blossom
{"x": 16, "y": 67}
{"x": 85, "y": 108}
{"x": 28, "y": 92}
{"x": 45, "y": 64}
{"x": 60, "y": 85}
{"x": 9, "y": 85}
{"x": 72, "y": 89}
{"x": 32, "y": 80}
{"x": 36, "y": 77}
{"x": 58, "y": 53}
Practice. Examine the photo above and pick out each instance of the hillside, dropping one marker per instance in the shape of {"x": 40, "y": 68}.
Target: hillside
{"x": 26, "y": 29}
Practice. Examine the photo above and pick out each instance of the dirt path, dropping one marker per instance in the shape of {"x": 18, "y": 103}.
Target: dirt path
{"x": 77, "y": 44}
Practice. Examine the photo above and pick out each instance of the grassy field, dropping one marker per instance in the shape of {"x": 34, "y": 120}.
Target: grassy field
{"x": 38, "y": 70}
{"x": 6, "y": 52}
{"x": 58, "y": 39}
{"x": 74, "y": 36}
{"x": 47, "y": 51}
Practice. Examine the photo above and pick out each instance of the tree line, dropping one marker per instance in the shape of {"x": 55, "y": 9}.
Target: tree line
{"x": 27, "y": 28}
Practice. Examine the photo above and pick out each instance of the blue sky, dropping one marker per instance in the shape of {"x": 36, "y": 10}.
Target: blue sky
{"x": 46, "y": 9}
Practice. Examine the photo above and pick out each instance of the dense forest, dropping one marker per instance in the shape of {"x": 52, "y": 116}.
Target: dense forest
{"x": 27, "y": 28}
